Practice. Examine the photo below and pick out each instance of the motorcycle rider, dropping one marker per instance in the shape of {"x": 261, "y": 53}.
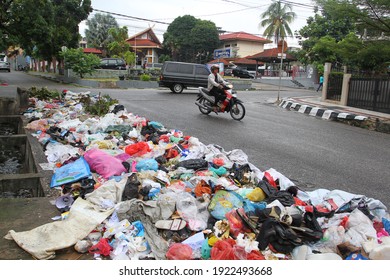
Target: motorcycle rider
{"x": 215, "y": 86}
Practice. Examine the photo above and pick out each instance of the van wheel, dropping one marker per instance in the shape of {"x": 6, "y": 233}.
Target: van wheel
{"x": 177, "y": 88}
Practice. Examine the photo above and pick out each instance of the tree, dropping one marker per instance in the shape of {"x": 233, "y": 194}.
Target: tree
{"x": 79, "y": 62}
{"x": 276, "y": 19}
{"x": 187, "y": 36}
{"x": 42, "y": 27}
{"x": 336, "y": 36}
{"x": 370, "y": 16}
{"x": 97, "y": 32}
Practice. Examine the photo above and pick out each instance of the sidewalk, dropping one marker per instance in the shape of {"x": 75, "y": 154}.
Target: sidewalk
{"x": 313, "y": 106}
{"x": 315, "y": 102}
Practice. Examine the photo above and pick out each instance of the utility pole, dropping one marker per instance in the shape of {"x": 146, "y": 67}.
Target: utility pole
{"x": 281, "y": 59}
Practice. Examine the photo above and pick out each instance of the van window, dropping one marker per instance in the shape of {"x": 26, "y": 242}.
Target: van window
{"x": 172, "y": 67}
{"x": 186, "y": 68}
{"x": 201, "y": 71}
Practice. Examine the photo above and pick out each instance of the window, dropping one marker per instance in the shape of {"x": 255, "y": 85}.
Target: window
{"x": 227, "y": 46}
{"x": 172, "y": 67}
{"x": 201, "y": 71}
{"x": 112, "y": 61}
{"x": 185, "y": 68}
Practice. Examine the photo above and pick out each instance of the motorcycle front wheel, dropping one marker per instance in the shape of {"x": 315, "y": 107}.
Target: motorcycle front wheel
{"x": 205, "y": 103}
{"x": 237, "y": 111}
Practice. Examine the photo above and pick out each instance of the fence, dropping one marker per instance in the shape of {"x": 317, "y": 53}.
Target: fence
{"x": 335, "y": 85}
{"x": 370, "y": 94}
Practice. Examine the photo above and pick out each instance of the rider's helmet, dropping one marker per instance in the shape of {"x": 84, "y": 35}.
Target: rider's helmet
{"x": 214, "y": 66}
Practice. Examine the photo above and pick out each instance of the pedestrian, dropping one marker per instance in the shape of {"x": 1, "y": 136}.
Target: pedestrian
{"x": 321, "y": 83}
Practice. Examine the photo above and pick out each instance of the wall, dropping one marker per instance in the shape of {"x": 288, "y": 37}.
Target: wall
{"x": 249, "y": 48}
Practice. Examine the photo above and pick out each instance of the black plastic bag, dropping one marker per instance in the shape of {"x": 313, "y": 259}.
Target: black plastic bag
{"x": 194, "y": 164}
{"x": 131, "y": 188}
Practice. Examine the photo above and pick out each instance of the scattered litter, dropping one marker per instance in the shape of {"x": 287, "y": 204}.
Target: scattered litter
{"x": 156, "y": 193}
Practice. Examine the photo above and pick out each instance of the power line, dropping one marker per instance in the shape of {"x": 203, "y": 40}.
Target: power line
{"x": 137, "y": 18}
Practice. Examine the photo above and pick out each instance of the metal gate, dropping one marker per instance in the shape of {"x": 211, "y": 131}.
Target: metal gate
{"x": 335, "y": 85}
{"x": 370, "y": 94}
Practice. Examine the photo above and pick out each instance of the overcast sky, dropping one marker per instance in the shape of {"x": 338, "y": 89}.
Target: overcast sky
{"x": 230, "y": 15}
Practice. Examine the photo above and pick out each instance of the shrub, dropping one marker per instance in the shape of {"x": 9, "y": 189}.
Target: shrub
{"x": 145, "y": 77}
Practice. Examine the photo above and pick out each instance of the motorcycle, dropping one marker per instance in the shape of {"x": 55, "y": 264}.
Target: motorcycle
{"x": 231, "y": 104}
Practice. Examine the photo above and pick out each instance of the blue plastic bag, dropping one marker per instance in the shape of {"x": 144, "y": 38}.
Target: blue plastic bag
{"x": 71, "y": 172}
{"x": 147, "y": 164}
{"x": 223, "y": 202}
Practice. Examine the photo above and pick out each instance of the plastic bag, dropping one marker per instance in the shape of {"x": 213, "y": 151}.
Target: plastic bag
{"x": 223, "y": 250}
{"x": 194, "y": 164}
{"x": 256, "y": 195}
{"x": 137, "y": 149}
{"x": 147, "y": 164}
{"x": 223, "y": 202}
{"x": 103, "y": 163}
{"x": 236, "y": 224}
{"x": 70, "y": 173}
{"x": 179, "y": 251}
{"x": 101, "y": 248}
{"x": 192, "y": 211}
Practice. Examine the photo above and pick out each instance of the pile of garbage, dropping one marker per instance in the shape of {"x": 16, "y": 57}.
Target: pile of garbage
{"x": 129, "y": 188}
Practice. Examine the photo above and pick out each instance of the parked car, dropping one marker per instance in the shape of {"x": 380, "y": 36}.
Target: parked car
{"x": 4, "y": 65}
{"x": 240, "y": 73}
{"x": 180, "y": 75}
{"x": 228, "y": 71}
{"x": 112, "y": 63}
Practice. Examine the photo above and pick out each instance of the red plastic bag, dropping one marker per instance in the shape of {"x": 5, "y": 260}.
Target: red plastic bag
{"x": 255, "y": 255}
{"x": 102, "y": 248}
{"x": 103, "y": 163}
{"x": 137, "y": 149}
{"x": 237, "y": 226}
{"x": 223, "y": 250}
{"x": 179, "y": 251}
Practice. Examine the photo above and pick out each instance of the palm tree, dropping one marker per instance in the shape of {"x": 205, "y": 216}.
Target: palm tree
{"x": 276, "y": 19}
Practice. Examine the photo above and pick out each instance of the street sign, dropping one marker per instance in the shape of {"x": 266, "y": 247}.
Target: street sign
{"x": 280, "y": 55}
{"x": 222, "y": 53}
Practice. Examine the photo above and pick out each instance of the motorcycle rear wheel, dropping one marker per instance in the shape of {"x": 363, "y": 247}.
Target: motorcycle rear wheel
{"x": 237, "y": 112}
{"x": 205, "y": 103}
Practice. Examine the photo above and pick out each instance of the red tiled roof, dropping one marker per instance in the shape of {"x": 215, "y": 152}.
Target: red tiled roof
{"x": 140, "y": 43}
{"x": 92, "y": 50}
{"x": 270, "y": 54}
{"x": 243, "y": 36}
{"x": 236, "y": 60}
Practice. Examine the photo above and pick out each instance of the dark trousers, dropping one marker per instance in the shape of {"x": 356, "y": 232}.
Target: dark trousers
{"x": 320, "y": 86}
{"x": 219, "y": 94}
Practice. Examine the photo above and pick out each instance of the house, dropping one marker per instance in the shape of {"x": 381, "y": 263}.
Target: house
{"x": 272, "y": 58}
{"x": 146, "y": 45}
{"x": 93, "y": 51}
{"x": 236, "y": 47}
{"x": 242, "y": 44}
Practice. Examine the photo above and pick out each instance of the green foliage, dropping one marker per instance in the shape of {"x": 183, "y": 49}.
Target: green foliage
{"x": 42, "y": 27}
{"x": 145, "y": 77}
{"x": 369, "y": 16}
{"x": 164, "y": 57}
{"x": 43, "y": 93}
{"x": 331, "y": 36}
{"x": 190, "y": 39}
{"x": 99, "y": 107}
{"x": 79, "y": 62}
{"x": 129, "y": 57}
{"x": 97, "y": 33}
{"x": 276, "y": 19}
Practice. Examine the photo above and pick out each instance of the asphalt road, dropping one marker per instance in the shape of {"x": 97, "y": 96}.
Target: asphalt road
{"x": 312, "y": 152}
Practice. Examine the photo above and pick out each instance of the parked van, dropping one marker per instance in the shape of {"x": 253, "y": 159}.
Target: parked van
{"x": 180, "y": 75}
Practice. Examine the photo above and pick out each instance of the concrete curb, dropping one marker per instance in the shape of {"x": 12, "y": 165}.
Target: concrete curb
{"x": 319, "y": 111}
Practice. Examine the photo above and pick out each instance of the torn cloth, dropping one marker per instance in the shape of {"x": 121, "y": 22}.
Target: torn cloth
{"x": 43, "y": 241}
